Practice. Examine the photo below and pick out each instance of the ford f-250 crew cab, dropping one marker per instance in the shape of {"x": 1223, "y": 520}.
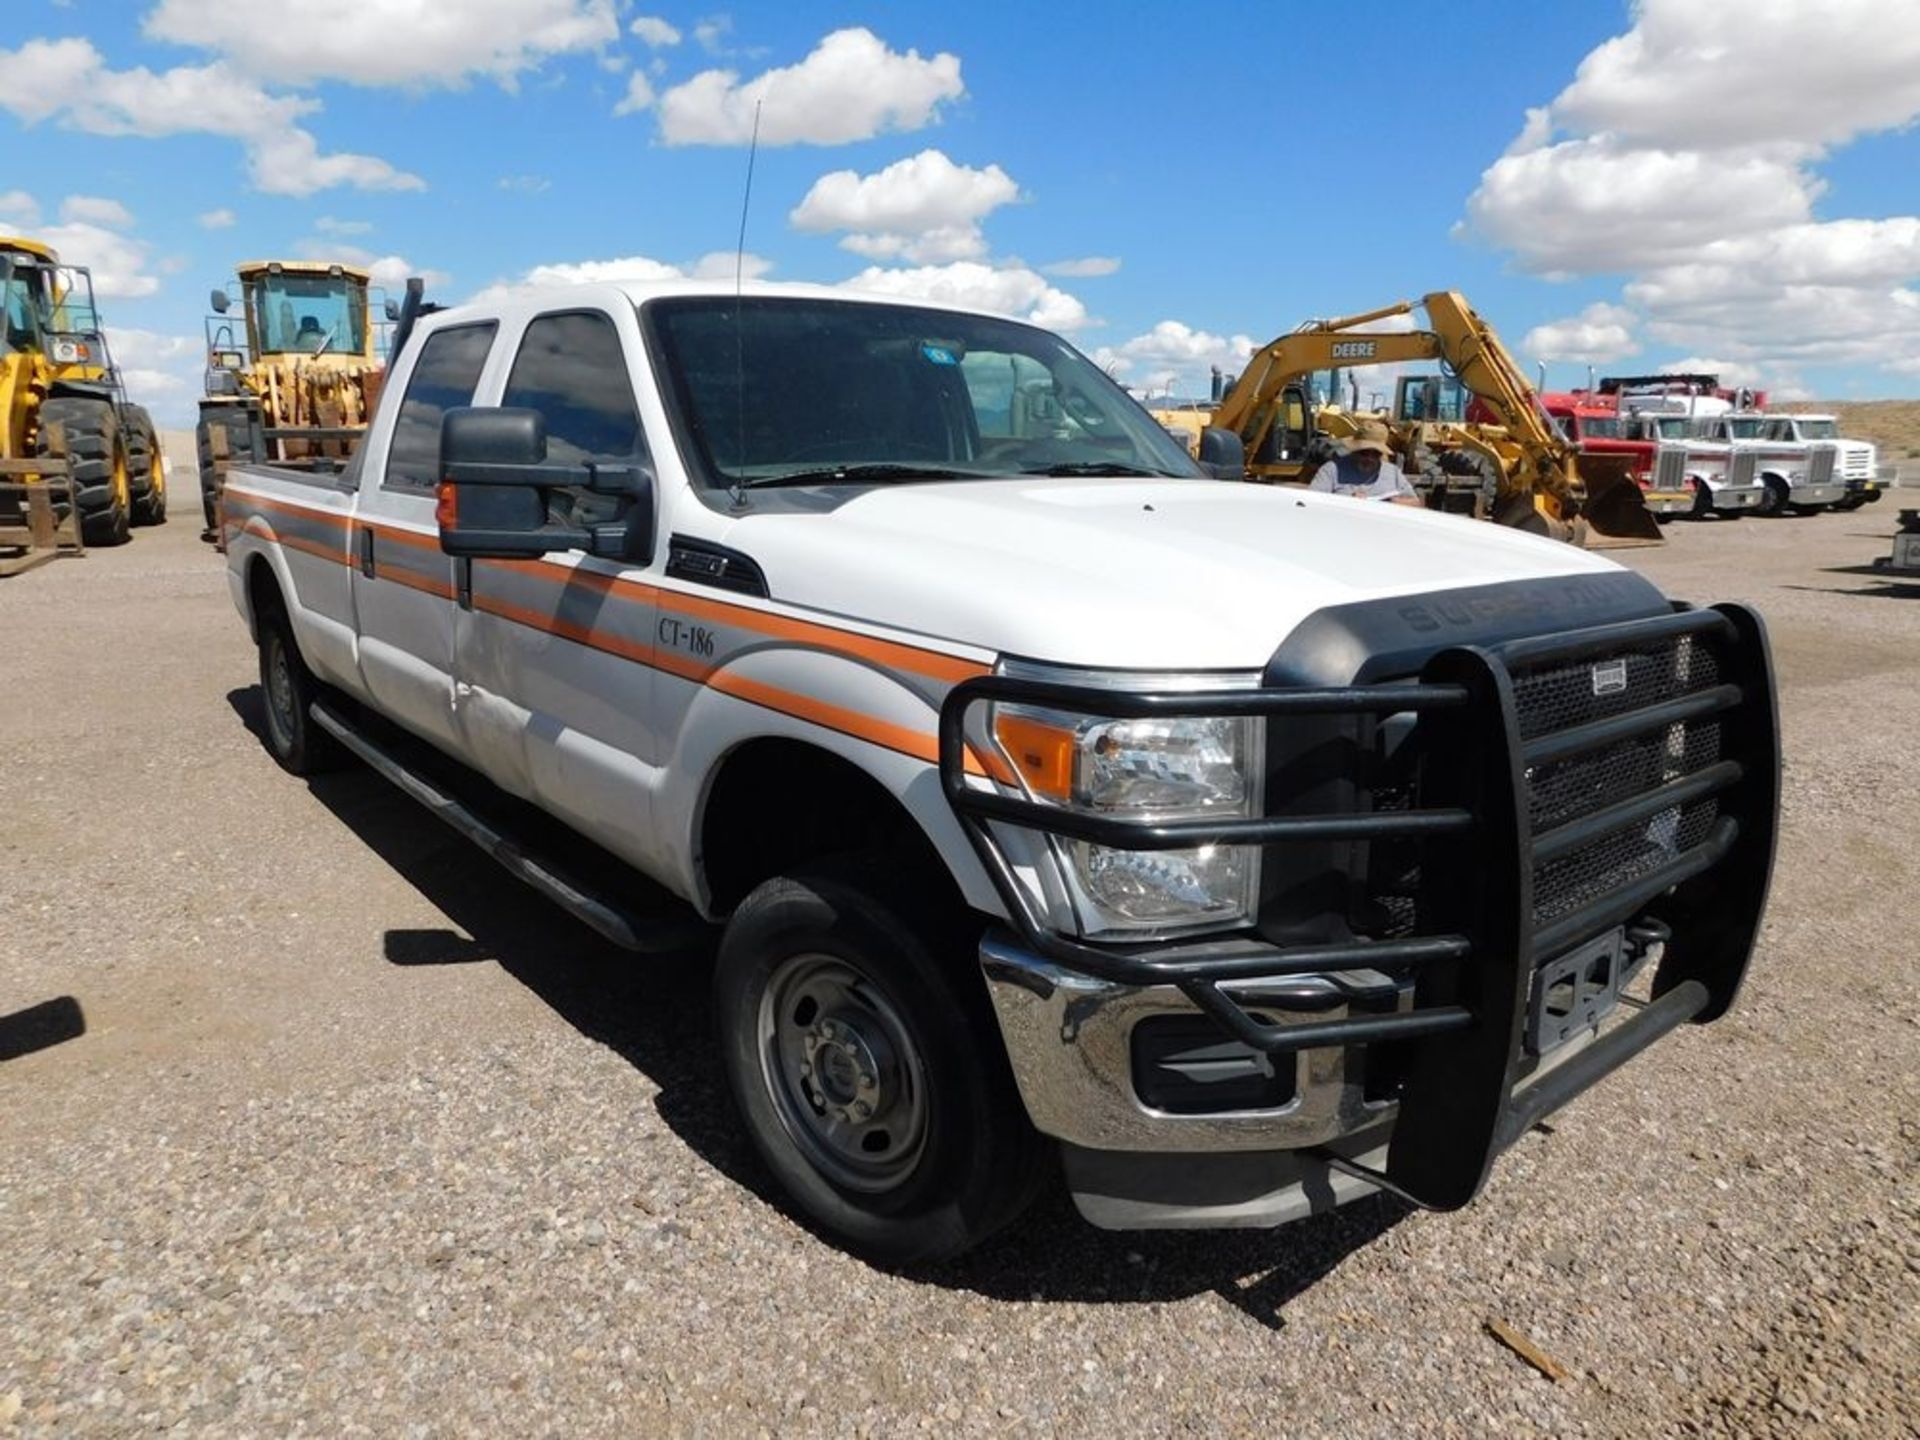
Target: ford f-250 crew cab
{"x": 1247, "y": 849}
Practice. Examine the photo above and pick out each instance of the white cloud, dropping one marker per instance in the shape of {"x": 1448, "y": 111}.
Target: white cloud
{"x": 1685, "y": 155}
{"x": 924, "y": 209}
{"x": 388, "y": 270}
{"x": 1598, "y": 335}
{"x": 526, "y": 184}
{"x": 393, "y": 271}
{"x": 68, "y": 81}
{"x": 118, "y": 262}
{"x": 17, "y": 207}
{"x": 1717, "y": 77}
{"x": 1091, "y": 267}
{"x": 157, "y": 367}
{"x": 852, "y": 87}
{"x": 639, "y": 95}
{"x": 1731, "y": 372}
{"x": 96, "y": 210}
{"x": 419, "y": 43}
{"x": 654, "y": 31}
{"x": 716, "y": 265}
{"x": 333, "y": 225}
{"x": 216, "y": 219}
{"x": 711, "y": 35}
{"x": 1175, "y": 357}
{"x": 722, "y": 264}
{"x": 1594, "y": 205}
{"x": 1004, "y": 290}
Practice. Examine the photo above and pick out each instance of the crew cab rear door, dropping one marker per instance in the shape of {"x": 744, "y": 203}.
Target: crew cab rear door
{"x": 402, "y": 581}
{"x": 554, "y": 686}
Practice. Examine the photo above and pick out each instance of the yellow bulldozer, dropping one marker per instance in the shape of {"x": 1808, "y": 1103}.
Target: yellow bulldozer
{"x": 291, "y": 380}
{"x": 1473, "y": 438}
{"x": 63, "y": 410}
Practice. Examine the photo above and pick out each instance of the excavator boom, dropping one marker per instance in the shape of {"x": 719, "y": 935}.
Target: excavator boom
{"x": 1542, "y": 483}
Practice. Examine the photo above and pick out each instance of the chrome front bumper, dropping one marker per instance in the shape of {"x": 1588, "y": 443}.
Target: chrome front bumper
{"x": 1069, "y": 1037}
{"x": 1668, "y": 502}
{"x": 1744, "y": 497}
{"x": 1817, "y": 494}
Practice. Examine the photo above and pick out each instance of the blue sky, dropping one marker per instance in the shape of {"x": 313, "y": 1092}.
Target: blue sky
{"x": 1623, "y": 187}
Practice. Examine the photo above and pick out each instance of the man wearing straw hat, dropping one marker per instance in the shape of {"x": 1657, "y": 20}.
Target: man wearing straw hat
{"x": 1363, "y": 471}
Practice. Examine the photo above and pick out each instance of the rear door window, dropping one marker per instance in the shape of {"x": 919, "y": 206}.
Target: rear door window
{"x": 443, "y": 379}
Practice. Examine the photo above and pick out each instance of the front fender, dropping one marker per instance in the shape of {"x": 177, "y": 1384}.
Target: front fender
{"x": 883, "y": 723}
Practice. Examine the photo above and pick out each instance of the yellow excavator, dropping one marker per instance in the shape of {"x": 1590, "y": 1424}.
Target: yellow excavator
{"x": 1474, "y": 439}
{"x": 63, "y": 409}
{"x": 294, "y": 381}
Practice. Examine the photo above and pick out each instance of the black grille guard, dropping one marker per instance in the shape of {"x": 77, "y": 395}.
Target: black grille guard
{"x": 1472, "y": 974}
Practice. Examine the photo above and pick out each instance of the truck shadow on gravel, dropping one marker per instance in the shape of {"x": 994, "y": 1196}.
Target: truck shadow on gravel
{"x": 656, "y": 1013}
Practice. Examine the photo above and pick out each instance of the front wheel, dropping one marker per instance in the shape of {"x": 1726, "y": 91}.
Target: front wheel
{"x": 863, "y": 1055}
{"x": 1776, "y": 497}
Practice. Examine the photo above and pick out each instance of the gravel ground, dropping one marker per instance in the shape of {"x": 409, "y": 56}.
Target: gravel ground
{"x": 359, "y": 1140}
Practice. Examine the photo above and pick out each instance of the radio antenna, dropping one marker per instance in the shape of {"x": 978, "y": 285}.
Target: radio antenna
{"x": 739, "y": 336}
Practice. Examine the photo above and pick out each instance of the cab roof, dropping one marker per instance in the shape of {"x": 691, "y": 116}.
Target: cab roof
{"x": 515, "y": 300}
{"x": 248, "y": 268}
{"x": 32, "y": 247}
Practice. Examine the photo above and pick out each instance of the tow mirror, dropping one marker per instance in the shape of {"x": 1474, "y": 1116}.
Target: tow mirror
{"x": 494, "y": 497}
{"x": 219, "y": 301}
{"x": 392, "y": 308}
{"x": 1223, "y": 454}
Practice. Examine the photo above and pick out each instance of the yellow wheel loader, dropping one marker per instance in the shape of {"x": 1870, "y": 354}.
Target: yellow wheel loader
{"x": 1474, "y": 439}
{"x": 61, "y": 395}
{"x": 292, "y": 378}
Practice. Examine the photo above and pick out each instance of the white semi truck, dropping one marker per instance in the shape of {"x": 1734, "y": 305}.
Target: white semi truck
{"x": 1236, "y": 850}
{"x": 1855, "y": 462}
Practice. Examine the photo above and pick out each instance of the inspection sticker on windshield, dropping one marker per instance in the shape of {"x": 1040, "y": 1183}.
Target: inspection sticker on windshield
{"x": 939, "y": 354}
{"x": 1610, "y": 678}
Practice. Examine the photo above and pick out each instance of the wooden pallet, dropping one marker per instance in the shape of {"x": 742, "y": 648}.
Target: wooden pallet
{"x": 39, "y": 535}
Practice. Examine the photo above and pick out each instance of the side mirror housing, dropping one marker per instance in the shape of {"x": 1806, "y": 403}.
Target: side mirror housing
{"x": 1223, "y": 454}
{"x": 218, "y": 299}
{"x": 493, "y": 493}
{"x": 392, "y": 309}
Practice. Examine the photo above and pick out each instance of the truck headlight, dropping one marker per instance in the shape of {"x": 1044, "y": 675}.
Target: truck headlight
{"x": 1151, "y": 770}
{"x": 69, "y": 352}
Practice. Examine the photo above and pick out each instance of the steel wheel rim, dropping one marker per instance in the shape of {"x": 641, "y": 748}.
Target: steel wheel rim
{"x": 843, "y": 1072}
{"x": 280, "y": 701}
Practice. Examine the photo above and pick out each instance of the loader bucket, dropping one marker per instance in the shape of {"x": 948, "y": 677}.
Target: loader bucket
{"x": 1617, "y": 517}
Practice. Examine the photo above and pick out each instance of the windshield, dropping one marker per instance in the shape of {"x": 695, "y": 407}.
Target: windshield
{"x": 1672, "y": 427}
{"x": 1746, "y": 427}
{"x": 1605, "y": 427}
{"x": 28, "y": 308}
{"x": 308, "y": 314}
{"x": 803, "y": 390}
{"x": 1819, "y": 430}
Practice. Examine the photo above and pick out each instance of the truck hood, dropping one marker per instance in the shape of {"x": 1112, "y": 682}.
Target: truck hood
{"x": 1132, "y": 573}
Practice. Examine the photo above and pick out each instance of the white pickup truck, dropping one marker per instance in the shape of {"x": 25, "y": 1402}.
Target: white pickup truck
{"x": 1233, "y": 850}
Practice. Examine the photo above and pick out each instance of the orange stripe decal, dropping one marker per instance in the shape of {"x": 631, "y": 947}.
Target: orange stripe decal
{"x": 885, "y": 654}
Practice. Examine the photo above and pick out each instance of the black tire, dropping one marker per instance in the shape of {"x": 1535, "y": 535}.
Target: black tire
{"x": 232, "y": 419}
{"x": 146, "y": 473}
{"x": 848, "y": 966}
{"x": 1776, "y": 497}
{"x": 1702, "y": 501}
{"x": 287, "y": 692}
{"x": 97, "y": 453}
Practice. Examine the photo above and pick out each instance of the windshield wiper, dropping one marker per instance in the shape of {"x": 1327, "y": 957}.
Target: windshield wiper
{"x": 857, "y": 474}
{"x": 1097, "y": 467}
